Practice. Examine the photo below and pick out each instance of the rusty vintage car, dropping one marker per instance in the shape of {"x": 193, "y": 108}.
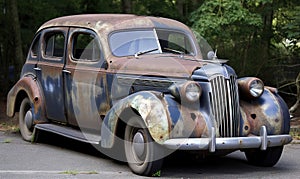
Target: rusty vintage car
{"x": 145, "y": 87}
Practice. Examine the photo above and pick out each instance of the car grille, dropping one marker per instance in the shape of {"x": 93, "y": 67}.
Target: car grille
{"x": 225, "y": 105}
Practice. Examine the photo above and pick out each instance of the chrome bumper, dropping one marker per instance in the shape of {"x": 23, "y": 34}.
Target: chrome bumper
{"x": 263, "y": 141}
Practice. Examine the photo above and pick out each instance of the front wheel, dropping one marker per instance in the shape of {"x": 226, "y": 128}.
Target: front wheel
{"x": 144, "y": 156}
{"x": 264, "y": 158}
{"x": 26, "y": 120}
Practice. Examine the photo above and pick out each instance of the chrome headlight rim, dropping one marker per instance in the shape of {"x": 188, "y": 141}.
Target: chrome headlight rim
{"x": 256, "y": 87}
{"x": 250, "y": 87}
{"x": 188, "y": 91}
{"x": 191, "y": 91}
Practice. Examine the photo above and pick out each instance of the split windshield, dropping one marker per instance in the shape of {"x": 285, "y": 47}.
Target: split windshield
{"x": 138, "y": 42}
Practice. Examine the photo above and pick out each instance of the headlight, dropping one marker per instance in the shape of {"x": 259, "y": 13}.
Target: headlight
{"x": 192, "y": 91}
{"x": 251, "y": 87}
{"x": 256, "y": 88}
{"x": 188, "y": 91}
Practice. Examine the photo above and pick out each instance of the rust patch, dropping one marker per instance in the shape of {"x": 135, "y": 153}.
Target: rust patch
{"x": 263, "y": 111}
{"x": 28, "y": 85}
{"x": 190, "y": 124}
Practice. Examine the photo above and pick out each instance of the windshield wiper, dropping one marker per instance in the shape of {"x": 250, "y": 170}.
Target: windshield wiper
{"x": 144, "y": 52}
{"x": 174, "y": 51}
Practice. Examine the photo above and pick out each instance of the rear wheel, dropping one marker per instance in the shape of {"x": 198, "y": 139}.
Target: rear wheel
{"x": 26, "y": 120}
{"x": 144, "y": 156}
{"x": 265, "y": 158}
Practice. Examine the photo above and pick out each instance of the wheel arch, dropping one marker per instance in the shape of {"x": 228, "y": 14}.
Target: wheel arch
{"x": 148, "y": 106}
{"x": 22, "y": 94}
{"x": 122, "y": 121}
{"x": 26, "y": 87}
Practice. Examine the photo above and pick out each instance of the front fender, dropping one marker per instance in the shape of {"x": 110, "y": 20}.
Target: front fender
{"x": 149, "y": 105}
{"x": 269, "y": 110}
{"x": 26, "y": 86}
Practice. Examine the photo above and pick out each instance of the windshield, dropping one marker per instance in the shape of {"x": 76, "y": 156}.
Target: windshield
{"x": 136, "y": 42}
{"x": 206, "y": 50}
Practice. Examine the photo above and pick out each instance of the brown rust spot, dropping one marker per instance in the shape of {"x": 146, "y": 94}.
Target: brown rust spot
{"x": 262, "y": 112}
{"x": 28, "y": 85}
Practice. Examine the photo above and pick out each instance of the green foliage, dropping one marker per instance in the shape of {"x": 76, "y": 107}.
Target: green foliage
{"x": 215, "y": 16}
{"x": 232, "y": 28}
{"x": 255, "y": 35}
{"x": 251, "y": 33}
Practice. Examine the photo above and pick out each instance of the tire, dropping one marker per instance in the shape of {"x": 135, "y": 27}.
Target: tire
{"x": 264, "y": 158}
{"x": 26, "y": 120}
{"x": 144, "y": 157}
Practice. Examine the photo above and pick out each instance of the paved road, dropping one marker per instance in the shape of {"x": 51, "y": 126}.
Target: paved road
{"x": 63, "y": 158}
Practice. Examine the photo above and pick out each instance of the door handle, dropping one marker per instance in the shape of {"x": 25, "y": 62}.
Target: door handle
{"x": 67, "y": 71}
{"x": 37, "y": 69}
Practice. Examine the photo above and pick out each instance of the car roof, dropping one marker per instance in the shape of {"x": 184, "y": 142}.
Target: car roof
{"x": 105, "y": 23}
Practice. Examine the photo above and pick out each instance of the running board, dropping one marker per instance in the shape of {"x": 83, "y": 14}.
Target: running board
{"x": 70, "y": 133}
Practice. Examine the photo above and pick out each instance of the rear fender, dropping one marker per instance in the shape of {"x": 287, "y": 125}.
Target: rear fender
{"x": 26, "y": 87}
{"x": 148, "y": 105}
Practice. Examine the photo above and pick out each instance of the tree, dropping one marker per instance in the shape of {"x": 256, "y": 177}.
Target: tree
{"x": 16, "y": 35}
{"x": 296, "y": 106}
{"x": 233, "y": 29}
{"x": 126, "y": 6}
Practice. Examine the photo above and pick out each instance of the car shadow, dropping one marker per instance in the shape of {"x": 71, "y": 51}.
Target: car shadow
{"x": 177, "y": 165}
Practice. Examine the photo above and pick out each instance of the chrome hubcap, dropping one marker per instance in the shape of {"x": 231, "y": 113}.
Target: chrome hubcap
{"x": 28, "y": 119}
{"x": 138, "y": 144}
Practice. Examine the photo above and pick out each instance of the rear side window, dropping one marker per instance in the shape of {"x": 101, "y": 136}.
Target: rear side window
{"x": 35, "y": 47}
{"x": 85, "y": 47}
{"x": 54, "y": 44}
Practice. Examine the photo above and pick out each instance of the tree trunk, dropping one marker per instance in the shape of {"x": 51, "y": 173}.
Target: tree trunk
{"x": 180, "y": 4}
{"x": 296, "y": 106}
{"x": 126, "y": 6}
{"x": 16, "y": 36}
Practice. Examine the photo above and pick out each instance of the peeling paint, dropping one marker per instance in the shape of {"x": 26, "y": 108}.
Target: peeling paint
{"x": 263, "y": 111}
{"x": 31, "y": 88}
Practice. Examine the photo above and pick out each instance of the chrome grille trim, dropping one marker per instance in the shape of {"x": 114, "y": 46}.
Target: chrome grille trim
{"x": 225, "y": 105}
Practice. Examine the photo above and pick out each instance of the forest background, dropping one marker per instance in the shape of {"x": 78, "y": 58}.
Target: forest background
{"x": 259, "y": 37}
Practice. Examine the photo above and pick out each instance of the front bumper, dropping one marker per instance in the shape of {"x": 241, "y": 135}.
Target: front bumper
{"x": 212, "y": 144}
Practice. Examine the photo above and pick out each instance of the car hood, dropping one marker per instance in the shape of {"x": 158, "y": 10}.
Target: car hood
{"x": 166, "y": 65}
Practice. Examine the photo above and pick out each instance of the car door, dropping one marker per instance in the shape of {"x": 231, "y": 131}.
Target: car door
{"x": 85, "y": 80}
{"x": 49, "y": 71}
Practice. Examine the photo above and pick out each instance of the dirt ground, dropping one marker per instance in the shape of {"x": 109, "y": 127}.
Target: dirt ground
{"x": 6, "y": 123}
{"x": 295, "y": 122}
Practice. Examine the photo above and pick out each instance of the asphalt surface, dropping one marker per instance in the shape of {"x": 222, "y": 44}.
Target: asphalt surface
{"x": 57, "y": 157}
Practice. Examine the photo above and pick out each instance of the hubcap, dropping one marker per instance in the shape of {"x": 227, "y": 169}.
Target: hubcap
{"x": 138, "y": 144}
{"x": 28, "y": 119}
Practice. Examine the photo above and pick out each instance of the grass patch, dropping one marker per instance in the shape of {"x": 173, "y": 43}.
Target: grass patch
{"x": 295, "y": 134}
{"x": 14, "y": 128}
{"x": 70, "y": 172}
{"x": 7, "y": 141}
{"x": 75, "y": 172}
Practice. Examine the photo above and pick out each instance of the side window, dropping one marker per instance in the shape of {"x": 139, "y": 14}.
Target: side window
{"x": 54, "y": 42}
{"x": 85, "y": 47}
{"x": 179, "y": 42}
{"x": 35, "y": 47}
{"x": 174, "y": 42}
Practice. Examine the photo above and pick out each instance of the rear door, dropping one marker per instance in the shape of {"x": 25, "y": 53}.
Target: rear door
{"x": 85, "y": 80}
{"x": 49, "y": 71}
